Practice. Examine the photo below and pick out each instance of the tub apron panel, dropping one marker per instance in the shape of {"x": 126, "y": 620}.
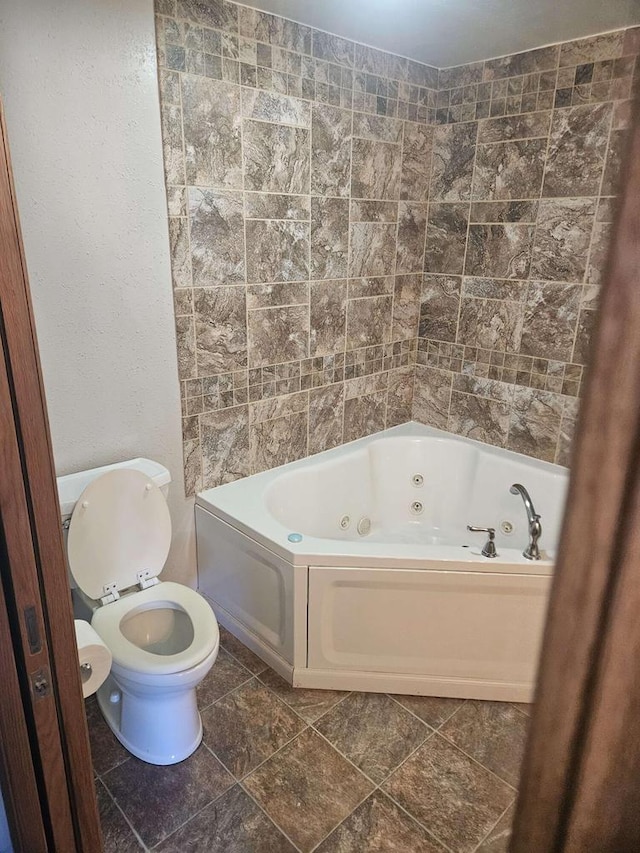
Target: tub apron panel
{"x": 475, "y": 626}
{"x": 249, "y": 582}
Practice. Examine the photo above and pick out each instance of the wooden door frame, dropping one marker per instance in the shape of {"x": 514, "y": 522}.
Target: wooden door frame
{"x": 36, "y": 575}
{"x": 18, "y": 781}
{"x": 580, "y": 787}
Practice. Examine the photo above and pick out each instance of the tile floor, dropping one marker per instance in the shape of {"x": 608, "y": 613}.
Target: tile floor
{"x": 283, "y": 770}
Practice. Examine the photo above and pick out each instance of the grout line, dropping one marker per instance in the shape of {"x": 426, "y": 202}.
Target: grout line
{"x": 349, "y": 262}
{"x": 309, "y": 276}
{"x": 377, "y": 786}
{"x": 422, "y": 826}
{"x": 413, "y": 714}
{"x": 126, "y": 819}
{"x": 223, "y": 695}
{"x": 430, "y": 731}
{"x": 534, "y": 238}
{"x": 269, "y": 818}
{"x": 484, "y": 838}
{"x": 476, "y": 762}
{"x": 427, "y": 203}
{"x": 238, "y": 661}
{"x": 417, "y": 820}
{"x": 464, "y": 263}
{"x": 199, "y": 811}
{"x": 403, "y": 808}
{"x": 437, "y": 69}
{"x": 239, "y": 780}
{"x": 199, "y": 474}
{"x": 424, "y": 117}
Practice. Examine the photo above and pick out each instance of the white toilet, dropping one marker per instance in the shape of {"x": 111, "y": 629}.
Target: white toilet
{"x": 163, "y": 636}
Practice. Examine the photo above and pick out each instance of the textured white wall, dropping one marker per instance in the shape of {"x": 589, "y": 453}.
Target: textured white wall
{"x": 78, "y": 81}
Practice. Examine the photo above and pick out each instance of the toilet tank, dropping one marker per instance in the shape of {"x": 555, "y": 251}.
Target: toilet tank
{"x": 71, "y": 486}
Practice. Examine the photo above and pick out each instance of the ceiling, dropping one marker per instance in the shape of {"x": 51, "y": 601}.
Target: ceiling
{"x": 453, "y": 32}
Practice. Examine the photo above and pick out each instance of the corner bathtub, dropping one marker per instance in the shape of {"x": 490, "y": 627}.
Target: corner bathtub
{"x": 385, "y": 589}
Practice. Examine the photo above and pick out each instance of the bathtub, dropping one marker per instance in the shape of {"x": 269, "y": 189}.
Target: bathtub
{"x": 353, "y": 569}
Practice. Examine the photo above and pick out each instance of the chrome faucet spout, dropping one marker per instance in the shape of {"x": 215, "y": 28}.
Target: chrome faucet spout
{"x": 532, "y": 551}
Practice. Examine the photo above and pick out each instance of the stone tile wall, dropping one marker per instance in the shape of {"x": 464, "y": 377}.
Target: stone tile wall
{"x": 297, "y": 170}
{"x": 319, "y": 250}
{"x": 526, "y": 157}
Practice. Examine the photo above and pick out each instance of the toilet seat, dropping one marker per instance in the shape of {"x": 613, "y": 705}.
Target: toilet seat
{"x": 108, "y": 619}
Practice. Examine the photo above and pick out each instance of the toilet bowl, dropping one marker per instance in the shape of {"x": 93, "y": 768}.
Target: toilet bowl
{"x": 163, "y": 636}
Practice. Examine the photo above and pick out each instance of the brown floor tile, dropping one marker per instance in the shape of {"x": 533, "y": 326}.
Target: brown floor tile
{"x": 379, "y": 826}
{"x": 431, "y": 709}
{"x": 525, "y": 707}
{"x": 116, "y": 832}
{"x": 307, "y": 789}
{"x": 240, "y": 652}
{"x": 493, "y": 733}
{"x": 157, "y": 800}
{"x": 247, "y": 726}
{"x": 454, "y": 798}
{"x": 498, "y": 839}
{"x": 310, "y": 704}
{"x": 106, "y": 750}
{"x": 373, "y": 731}
{"x": 233, "y": 824}
{"x": 225, "y": 675}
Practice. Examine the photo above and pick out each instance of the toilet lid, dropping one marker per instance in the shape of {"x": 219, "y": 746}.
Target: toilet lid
{"x": 120, "y": 526}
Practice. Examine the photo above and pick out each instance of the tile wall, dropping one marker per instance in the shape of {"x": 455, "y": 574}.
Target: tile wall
{"x": 526, "y": 157}
{"x": 297, "y": 170}
{"x": 319, "y": 250}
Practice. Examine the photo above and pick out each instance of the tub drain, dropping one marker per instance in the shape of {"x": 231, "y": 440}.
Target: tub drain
{"x": 416, "y": 507}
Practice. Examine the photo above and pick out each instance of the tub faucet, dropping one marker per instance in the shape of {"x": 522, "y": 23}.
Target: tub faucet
{"x": 531, "y": 552}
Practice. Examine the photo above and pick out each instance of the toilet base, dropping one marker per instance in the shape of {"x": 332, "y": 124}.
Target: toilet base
{"x": 159, "y": 729}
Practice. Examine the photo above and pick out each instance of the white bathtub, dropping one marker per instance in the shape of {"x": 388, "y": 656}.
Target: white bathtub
{"x": 411, "y": 606}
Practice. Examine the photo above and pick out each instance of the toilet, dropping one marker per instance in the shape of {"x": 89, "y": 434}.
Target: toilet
{"x": 163, "y": 636}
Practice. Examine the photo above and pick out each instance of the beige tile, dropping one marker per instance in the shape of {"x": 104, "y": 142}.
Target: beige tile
{"x": 248, "y": 725}
{"x": 449, "y": 794}
{"x": 307, "y": 789}
{"x": 379, "y": 825}
{"x": 310, "y": 704}
{"x": 433, "y": 710}
{"x": 157, "y": 799}
{"x": 231, "y": 824}
{"x": 493, "y": 733}
{"x": 374, "y": 732}
{"x": 240, "y": 652}
{"x": 224, "y": 676}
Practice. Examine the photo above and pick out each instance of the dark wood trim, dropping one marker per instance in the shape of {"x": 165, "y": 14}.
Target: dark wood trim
{"x": 21, "y": 591}
{"x": 580, "y": 788}
{"x": 17, "y": 776}
{"x": 40, "y": 575}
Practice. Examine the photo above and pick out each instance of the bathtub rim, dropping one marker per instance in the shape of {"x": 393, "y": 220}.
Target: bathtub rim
{"x": 223, "y": 503}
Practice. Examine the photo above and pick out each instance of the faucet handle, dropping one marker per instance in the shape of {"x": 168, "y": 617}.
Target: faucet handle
{"x": 489, "y": 549}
